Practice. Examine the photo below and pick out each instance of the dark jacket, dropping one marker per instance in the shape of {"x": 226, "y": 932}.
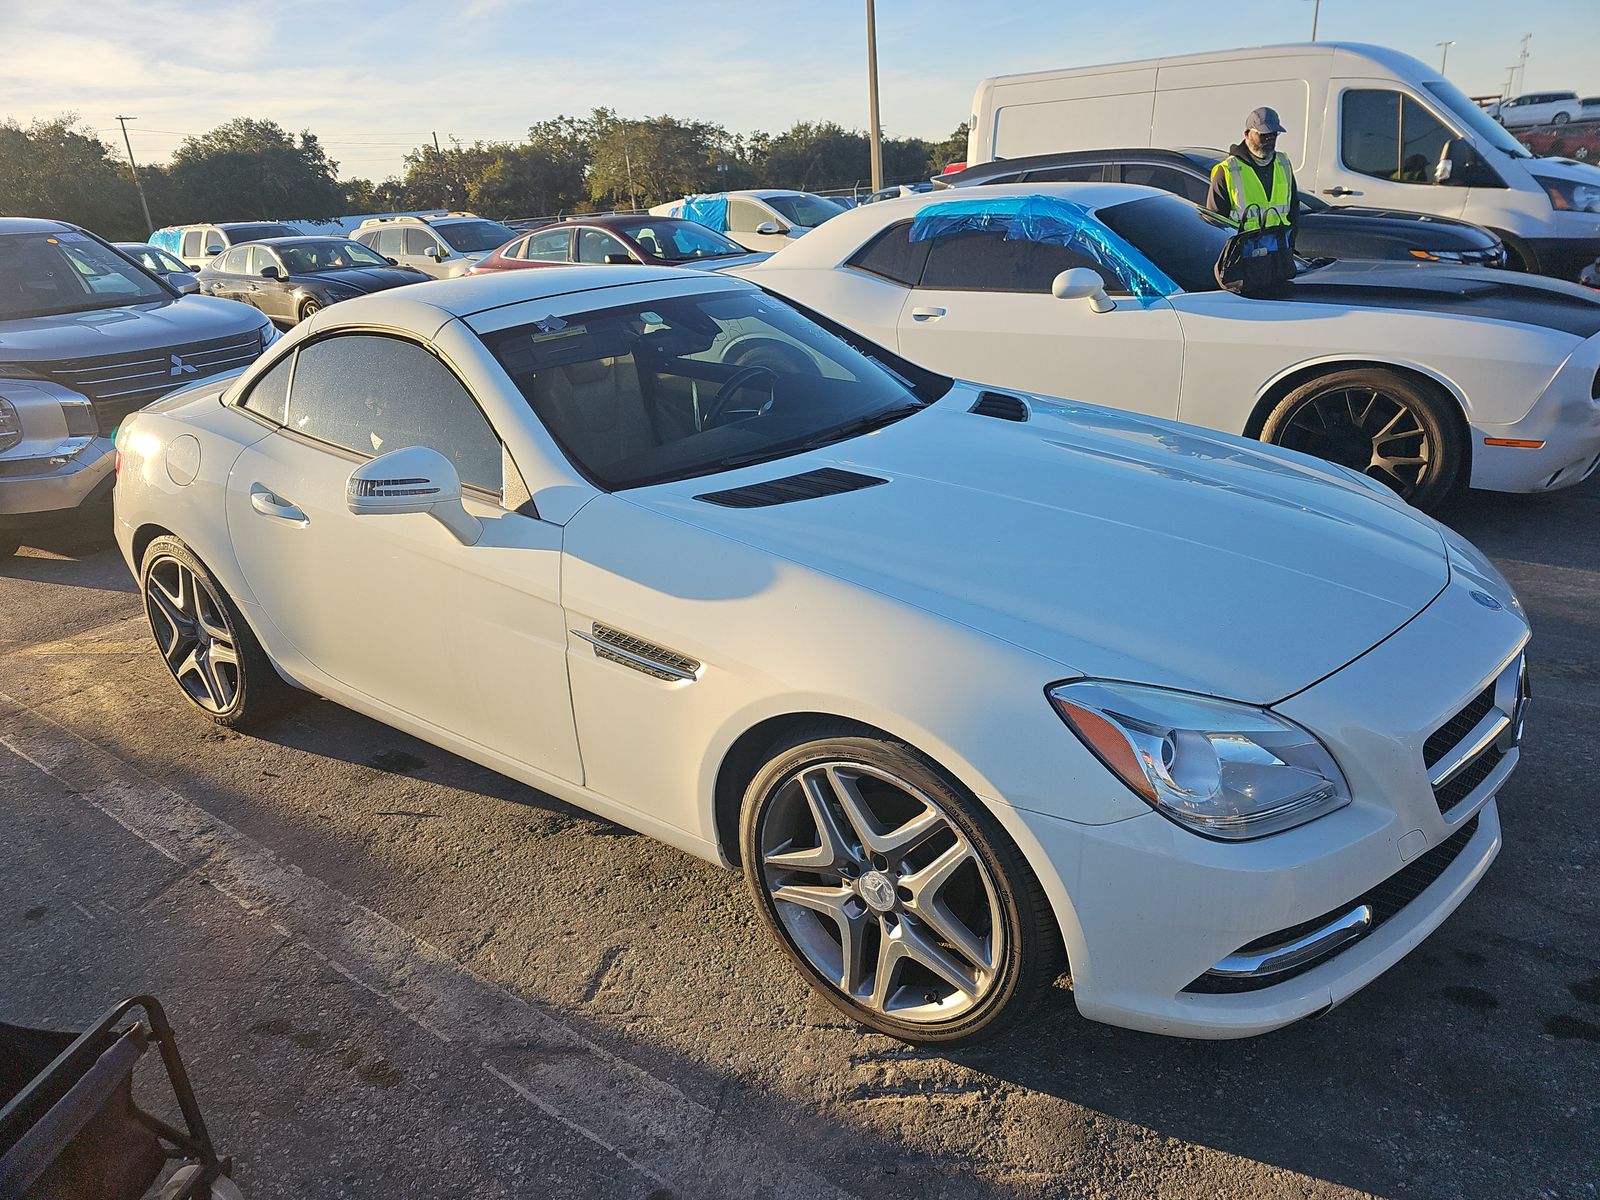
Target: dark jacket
{"x": 1217, "y": 199}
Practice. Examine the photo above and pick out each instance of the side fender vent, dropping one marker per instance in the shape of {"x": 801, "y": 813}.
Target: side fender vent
{"x": 1000, "y": 406}
{"x": 829, "y": 481}
{"x": 647, "y": 658}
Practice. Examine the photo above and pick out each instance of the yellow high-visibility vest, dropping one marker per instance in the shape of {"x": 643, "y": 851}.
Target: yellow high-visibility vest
{"x": 1252, "y": 208}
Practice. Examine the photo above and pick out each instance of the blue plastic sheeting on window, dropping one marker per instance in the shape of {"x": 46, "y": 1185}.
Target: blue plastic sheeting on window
{"x": 1049, "y": 219}
{"x": 710, "y": 211}
{"x": 167, "y": 239}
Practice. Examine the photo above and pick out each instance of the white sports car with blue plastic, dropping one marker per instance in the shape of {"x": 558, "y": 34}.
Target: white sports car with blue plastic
{"x": 975, "y": 686}
{"x": 1425, "y": 377}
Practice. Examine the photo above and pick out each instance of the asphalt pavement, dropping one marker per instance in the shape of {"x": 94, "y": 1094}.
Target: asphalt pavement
{"x": 395, "y": 973}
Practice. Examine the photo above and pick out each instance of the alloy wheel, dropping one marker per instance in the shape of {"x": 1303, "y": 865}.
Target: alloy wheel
{"x": 881, "y": 892}
{"x": 1366, "y": 429}
{"x": 193, "y": 633}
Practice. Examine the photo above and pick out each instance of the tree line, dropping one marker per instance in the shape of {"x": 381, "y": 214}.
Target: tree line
{"x": 248, "y": 169}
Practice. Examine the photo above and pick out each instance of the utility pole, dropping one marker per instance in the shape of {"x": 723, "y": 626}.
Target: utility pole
{"x": 1511, "y": 73}
{"x": 1522, "y": 64}
{"x": 1316, "y": 12}
{"x": 1445, "y": 57}
{"x": 134, "y": 167}
{"x": 627, "y": 162}
{"x": 875, "y": 133}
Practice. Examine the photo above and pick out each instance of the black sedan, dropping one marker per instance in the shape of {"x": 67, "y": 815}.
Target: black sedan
{"x": 1322, "y": 230}
{"x": 289, "y": 278}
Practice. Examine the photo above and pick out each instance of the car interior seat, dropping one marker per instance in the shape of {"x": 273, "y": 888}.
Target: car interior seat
{"x": 597, "y": 409}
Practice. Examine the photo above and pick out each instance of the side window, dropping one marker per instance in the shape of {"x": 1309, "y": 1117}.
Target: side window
{"x": 743, "y": 217}
{"x": 983, "y": 261}
{"x": 391, "y": 243}
{"x": 260, "y": 259}
{"x": 419, "y": 241}
{"x": 515, "y": 250}
{"x": 214, "y": 238}
{"x": 1077, "y": 173}
{"x": 233, "y": 262}
{"x": 595, "y": 244}
{"x": 892, "y": 255}
{"x": 269, "y": 396}
{"x": 1168, "y": 179}
{"x": 374, "y": 394}
{"x": 1390, "y": 136}
{"x": 549, "y": 246}
{"x": 191, "y": 243}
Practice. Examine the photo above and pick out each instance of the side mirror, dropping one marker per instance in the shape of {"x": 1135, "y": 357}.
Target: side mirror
{"x": 187, "y": 285}
{"x": 213, "y": 251}
{"x": 393, "y": 262}
{"x": 1456, "y": 160}
{"x": 269, "y": 272}
{"x": 413, "y": 480}
{"x": 772, "y": 227}
{"x": 1080, "y": 283}
{"x": 433, "y": 252}
{"x": 619, "y": 260}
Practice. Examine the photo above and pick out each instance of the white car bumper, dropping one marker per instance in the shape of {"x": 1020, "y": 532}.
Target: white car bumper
{"x": 1149, "y": 909}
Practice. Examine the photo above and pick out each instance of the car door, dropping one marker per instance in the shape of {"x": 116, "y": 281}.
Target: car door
{"x": 466, "y": 639}
{"x": 983, "y": 311}
{"x": 1388, "y": 143}
{"x": 275, "y": 297}
{"x": 224, "y": 276}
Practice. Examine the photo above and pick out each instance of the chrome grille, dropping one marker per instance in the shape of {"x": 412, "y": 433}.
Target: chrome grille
{"x": 1464, "y": 752}
{"x": 118, "y": 384}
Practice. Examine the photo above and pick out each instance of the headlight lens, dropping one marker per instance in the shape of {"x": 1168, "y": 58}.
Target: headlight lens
{"x": 269, "y": 334}
{"x": 10, "y": 425}
{"x": 1567, "y": 195}
{"x": 1225, "y": 770}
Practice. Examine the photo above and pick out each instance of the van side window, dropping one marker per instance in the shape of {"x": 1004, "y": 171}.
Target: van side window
{"x": 1389, "y": 136}
{"x": 892, "y": 255}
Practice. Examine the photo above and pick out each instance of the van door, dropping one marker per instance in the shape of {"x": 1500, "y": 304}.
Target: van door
{"x": 1380, "y": 149}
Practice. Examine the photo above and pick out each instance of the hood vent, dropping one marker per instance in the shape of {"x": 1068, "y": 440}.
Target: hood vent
{"x": 830, "y": 481}
{"x": 1000, "y": 406}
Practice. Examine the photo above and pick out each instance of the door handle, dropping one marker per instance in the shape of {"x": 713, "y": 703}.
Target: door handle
{"x": 926, "y": 314}
{"x": 1341, "y": 190}
{"x": 270, "y": 505}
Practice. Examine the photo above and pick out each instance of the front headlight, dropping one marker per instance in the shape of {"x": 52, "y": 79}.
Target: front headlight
{"x": 1568, "y": 195}
{"x": 1449, "y": 256}
{"x": 269, "y": 334}
{"x": 1224, "y": 770}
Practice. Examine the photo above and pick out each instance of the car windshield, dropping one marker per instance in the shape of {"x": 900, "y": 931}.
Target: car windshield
{"x": 678, "y": 387}
{"x": 42, "y": 274}
{"x": 801, "y": 209}
{"x": 1182, "y": 240}
{"x": 331, "y": 254}
{"x": 255, "y": 233}
{"x": 680, "y": 241}
{"x": 1478, "y": 122}
{"x": 470, "y": 237}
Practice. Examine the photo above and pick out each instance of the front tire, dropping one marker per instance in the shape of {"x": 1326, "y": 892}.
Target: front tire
{"x": 896, "y": 894}
{"x": 1380, "y": 423}
{"x": 210, "y": 652}
{"x": 309, "y": 309}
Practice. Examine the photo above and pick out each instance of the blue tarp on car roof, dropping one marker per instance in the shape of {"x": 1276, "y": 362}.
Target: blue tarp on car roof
{"x": 709, "y": 210}
{"x": 1048, "y": 219}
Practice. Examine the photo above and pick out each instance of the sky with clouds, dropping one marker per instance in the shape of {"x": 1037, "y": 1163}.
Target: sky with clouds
{"x": 373, "y": 80}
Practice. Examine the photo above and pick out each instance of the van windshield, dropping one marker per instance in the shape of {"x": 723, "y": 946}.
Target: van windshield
{"x": 1479, "y": 123}
{"x": 44, "y": 274}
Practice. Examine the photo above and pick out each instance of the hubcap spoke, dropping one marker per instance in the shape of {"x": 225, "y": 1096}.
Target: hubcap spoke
{"x": 833, "y": 846}
{"x": 873, "y": 835}
{"x": 192, "y": 632}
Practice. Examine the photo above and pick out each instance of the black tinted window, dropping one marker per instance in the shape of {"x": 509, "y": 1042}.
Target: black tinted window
{"x": 376, "y": 394}
{"x": 1390, "y": 136}
{"x": 982, "y": 260}
{"x": 269, "y": 395}
{"x": 1168, "y": 179}
{"x": 893, "y": 255}
{"x": 1080, "y": 173}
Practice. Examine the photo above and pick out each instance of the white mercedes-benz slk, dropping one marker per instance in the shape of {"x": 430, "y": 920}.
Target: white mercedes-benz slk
{"x": 1424, "y": 376}
{"x": 974, "y": 686}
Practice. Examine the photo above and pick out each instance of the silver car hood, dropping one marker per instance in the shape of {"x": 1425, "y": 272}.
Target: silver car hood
{"x": 154, "y": 326}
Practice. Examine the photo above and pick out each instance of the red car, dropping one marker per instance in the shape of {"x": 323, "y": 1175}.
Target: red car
{"x": 620, "y": 238}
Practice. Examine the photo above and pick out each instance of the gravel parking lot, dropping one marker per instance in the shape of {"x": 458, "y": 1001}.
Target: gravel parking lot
{"x": 395, "y": 973}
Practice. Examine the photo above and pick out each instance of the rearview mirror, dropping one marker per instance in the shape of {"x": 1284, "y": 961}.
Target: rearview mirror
{"x": 1080, "y": 283}
{"x": 413, "y": 480}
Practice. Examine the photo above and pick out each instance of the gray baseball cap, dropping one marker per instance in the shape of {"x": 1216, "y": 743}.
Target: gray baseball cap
{"x": 1264, "y": 120}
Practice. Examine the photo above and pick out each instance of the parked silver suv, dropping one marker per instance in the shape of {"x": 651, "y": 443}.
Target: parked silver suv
{"x": 443, "y": 247}
{"x": 86, "y": 337}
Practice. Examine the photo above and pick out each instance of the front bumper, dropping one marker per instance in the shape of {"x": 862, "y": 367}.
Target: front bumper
{"x": 1147, "y": 908}
{"x": 38, "y": 491}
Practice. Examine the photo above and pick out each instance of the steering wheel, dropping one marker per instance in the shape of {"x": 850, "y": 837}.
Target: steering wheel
{"x": 741, "y": 378}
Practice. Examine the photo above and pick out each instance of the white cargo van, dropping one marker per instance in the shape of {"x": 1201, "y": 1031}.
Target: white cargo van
{"x": 1367, "y": 126}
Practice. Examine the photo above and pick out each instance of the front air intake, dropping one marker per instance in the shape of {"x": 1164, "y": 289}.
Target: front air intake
{"x": 1000, "y": 406}
{"x": 829, "y": 481}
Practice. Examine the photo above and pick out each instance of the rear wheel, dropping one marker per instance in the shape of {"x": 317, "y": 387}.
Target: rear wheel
{"x": 1560, "y": 118}
{"x": 210, "y": 652}
{"x": 1378, "y": 422}
{"x": 895, "y": 892}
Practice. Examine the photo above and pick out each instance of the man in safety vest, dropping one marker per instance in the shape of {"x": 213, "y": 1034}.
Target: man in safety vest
{"x": 1254, "y": 186}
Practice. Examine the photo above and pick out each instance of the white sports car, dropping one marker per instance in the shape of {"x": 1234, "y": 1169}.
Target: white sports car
{"x": 965, "y": 681}
{"x": 1422, "y": 376}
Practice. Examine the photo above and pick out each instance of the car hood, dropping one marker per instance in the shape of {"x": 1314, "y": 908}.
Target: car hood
{"x": 724, "y": 263}
{"x": 1569, "y": 169}
{"x": 362, "y": 279}
{"x": 1466, "y": 291}
{"x": 153, "y": 326}
{"x": 1114, "y": 545}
